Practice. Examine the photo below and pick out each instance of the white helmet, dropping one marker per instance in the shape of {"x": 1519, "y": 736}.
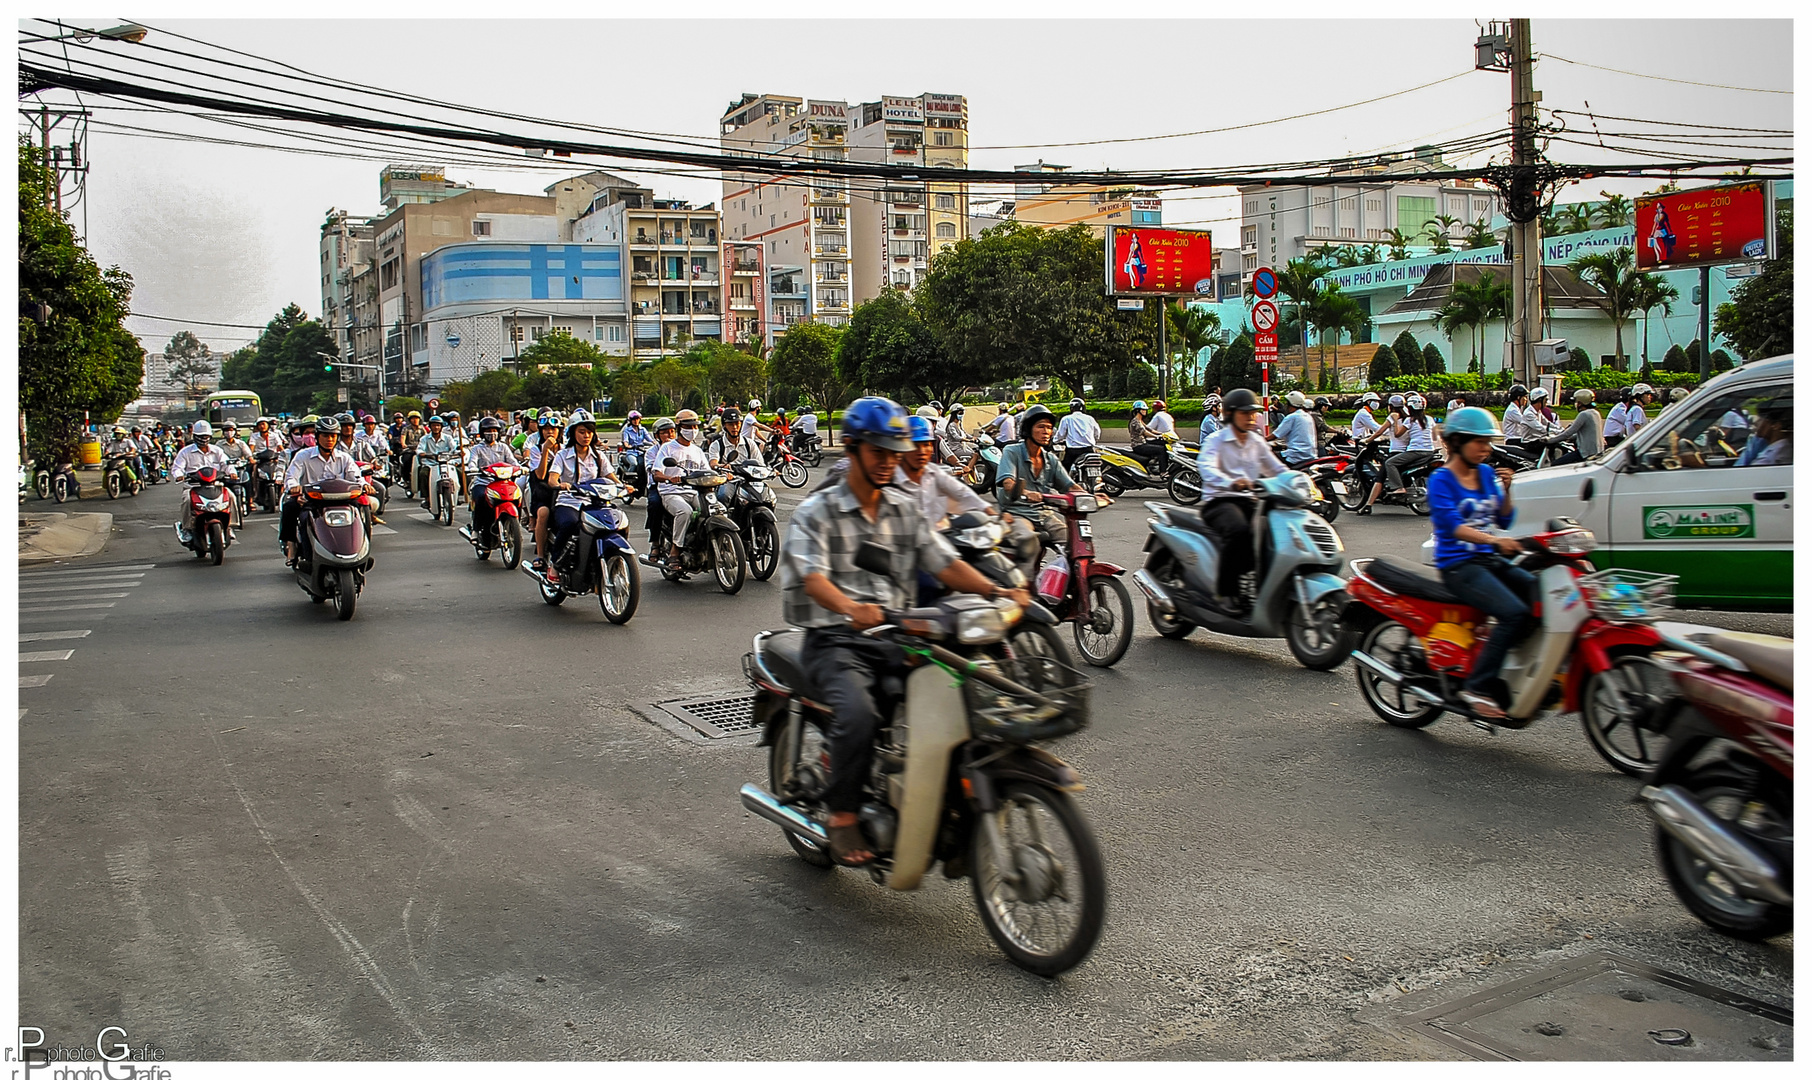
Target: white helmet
{"x": 1540, "y": 393}
{"x": 1370, "y": 399}
{"x": 1298, "y": 399}
{"x": 1416, "y": 401}
{"x": 1396, "y": 401}
{"x": 928, "y": 412}
{"x": 1583, "y": 396}
{"x": 754, "y": 404}
{"x": 202, "y": 427}
{"x": 1641, "y": 388}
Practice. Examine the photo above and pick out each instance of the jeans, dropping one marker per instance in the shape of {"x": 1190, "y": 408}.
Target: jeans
{"x": 1501, "y": 591}
{"x": 1393, "y": 469}
{"x": 859, "y": 679}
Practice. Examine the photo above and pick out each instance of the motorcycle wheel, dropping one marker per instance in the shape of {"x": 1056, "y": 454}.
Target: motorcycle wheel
{"x": 42, "y": 483}
{"x": 1111, "y": 487}
{"x": 137, "y": 486}
{"x": 1037, "y": 649}
{"x": 1328, "y": 506}
{"x": 509, "y": 536}
{"x": 1104, "y": 639}
{"x": 619, "y": 587}
{"x": 216, "y": 542}
{"x": 345, "y": 594}
{"x": 1398, "y": 649}
{"x": 552, "y": 595}
{"x": 813, "y": 457}
{"x": 1185, "y": 488}
{"x": 729, "y": 563}
{"x": 446, "y": 508}
{"x": 764, "y": 549}
{"x": 793, "y": 474}
{"x": 1627, "y": 737}
{"x": 59, "y": 489}
{"x": 1726, "y": 791}
{"x": 1418, "y": 502}
{"x": 782, "y": 768}
{"x": 1048, "y": 919}
{"x": 1314, "y": 634}
{"x": 112, "y": 484}
{"x": 1356, "y": 488}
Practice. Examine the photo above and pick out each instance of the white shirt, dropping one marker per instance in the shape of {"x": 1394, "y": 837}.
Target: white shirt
{"x": 1078, "y": 429}
{"x": 1364, "y": 423}
{"x": 1617, "y": 421}
{"x": 682, "y": 457}
{"x": 1515, "y": 426}
{"x": 1161, "y": 424}
{"x": 1421, "y": 434}
{"x": 1398, "y": 443}
{"x": 807, "y": 424}
{"x": 1001, "y": 427}
{"x": 480, "y": 457}
{"x": 1635, "y": 418}
{"x": 938, "y": 492}
{"x": 570, "y": 468}
{"x": 310, "y": 467}
{"x": 1225, "y": 458}
{"x": 270, "y": 440}
{"x": 194, "y": 456}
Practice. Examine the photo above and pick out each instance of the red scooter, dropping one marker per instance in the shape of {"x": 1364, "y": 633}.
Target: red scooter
{"x": 211, "y": 505}
{"x": 499, "y": 491}
{"x": 1722, "y": 795}
{"x": 1088, "y": 594}
{"x": 1589, "y": 653}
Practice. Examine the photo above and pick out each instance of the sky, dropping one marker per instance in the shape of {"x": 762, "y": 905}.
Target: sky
{"x": 231, "y": 234}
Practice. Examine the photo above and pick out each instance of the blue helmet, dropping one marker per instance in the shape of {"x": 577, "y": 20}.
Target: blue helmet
{"x": 1472, "y": 422}
{"x": 920, "y": 429}
{"x": 1138, "y": 406}
{"x": 877, "y": 420}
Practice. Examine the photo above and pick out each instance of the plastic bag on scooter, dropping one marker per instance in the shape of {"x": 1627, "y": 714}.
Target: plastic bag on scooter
{"x": 1054, "y": 578}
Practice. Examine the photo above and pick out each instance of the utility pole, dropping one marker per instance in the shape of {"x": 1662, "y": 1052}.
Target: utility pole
{"x": 1526, "y": 249}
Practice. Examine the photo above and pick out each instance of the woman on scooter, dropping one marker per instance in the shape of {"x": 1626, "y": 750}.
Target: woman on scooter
{"x": 1230, "y": 461}
{"x": 1415, "y": 431}
{"x": 1465, "y": 498}
{"x": 541, "y": 453}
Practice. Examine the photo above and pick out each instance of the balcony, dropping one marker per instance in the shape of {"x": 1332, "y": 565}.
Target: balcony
{"x": 708, "y": 238}
{"x": 742, "y": 303}
{"x": 643, "y": 276}
{"x": 829, "y": 195}
{"x": 740, "y": 267}
{"x": 641, "y": 240}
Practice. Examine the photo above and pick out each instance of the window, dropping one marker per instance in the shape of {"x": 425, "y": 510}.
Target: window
{"x": 946, "y": 202}
{"x": 481, "y": 228}
{"x": 946, "y": 228}
{"x": 1414, "y": 213}
{"x": 537, "y": 332}
{"x": 387, "y": 274}
{"x": 1148, "y": 217}
{"x": 1717, "y": 433}
{"x": 1374, "y": 206}
{"x": 597, "y": 333}
{"x": 616, "y": 331}
{"x": 943, "y": 138}
{"x": 1248, "y": 236}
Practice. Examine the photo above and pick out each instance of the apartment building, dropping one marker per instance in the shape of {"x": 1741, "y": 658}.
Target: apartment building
{"x": 1055, "y": 205}
{"x": 675, "y": 257}
{"x": 745, "y": 291}
{"x": 896, "y": 226}
{"x": 346, "y": 246}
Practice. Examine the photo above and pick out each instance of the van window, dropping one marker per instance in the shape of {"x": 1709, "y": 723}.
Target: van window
{"x": 1717, "y": 431}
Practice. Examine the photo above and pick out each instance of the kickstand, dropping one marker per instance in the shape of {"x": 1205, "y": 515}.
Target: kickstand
{"x": 1482, "y": 724}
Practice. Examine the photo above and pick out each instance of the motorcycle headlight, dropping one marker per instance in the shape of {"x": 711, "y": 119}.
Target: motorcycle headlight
{"x": 982, "y": 626}
{"x": 1573, "y": 542}
{"x": 338, "y": 519}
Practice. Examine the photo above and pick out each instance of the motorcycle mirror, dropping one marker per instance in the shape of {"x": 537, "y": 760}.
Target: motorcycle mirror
{"x": 874, "y": 558}
{"x": 1038, "y": 613}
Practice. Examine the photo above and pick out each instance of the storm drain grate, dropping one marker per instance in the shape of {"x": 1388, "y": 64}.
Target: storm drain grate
{"x": 714, "y": 718}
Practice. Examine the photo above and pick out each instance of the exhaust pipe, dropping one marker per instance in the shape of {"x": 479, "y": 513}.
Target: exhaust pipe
{"x": 757, "y": 799}
{"x": 1154, "y": 592}
{"x": 1712, "y": 839}
{"x": 1395, "y": 678}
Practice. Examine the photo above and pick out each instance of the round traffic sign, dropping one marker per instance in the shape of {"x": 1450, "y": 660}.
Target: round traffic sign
{"x": 1264, "y": 283}
{"x": 1264, "y": 315}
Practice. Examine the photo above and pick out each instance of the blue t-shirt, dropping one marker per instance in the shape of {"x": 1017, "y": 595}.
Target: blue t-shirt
{"x": 1451, "y": 505}
{"x": 1210, "y": 425}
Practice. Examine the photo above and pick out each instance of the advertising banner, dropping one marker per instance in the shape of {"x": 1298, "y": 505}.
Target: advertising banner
{"x": 1159, "y": 262}
{"x": 902, "y": 110}
{"x": 1730, "y": 223}
{"x": 945, "y": 104}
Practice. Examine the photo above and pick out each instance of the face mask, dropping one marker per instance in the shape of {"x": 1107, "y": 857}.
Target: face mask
{"x": 688, "y": 432}
{"x": 490, "y": 437}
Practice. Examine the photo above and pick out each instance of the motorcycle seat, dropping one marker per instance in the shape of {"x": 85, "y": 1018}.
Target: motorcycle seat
{"x": 779, "y": 653}
{"x": 1769, "y": 657}
{"x": 1186, "y": 519}
{"x": 1408, "y": 579}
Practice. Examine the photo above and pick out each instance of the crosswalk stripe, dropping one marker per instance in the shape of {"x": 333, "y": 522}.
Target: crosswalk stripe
{"x": 32, "y": 680}
{"x": 54, "y": 635}
{"x": 65, "y": 607}
{"x": 84, "y": 571}
{"x": 103, "y": 583}
{"x": 40, "y": 657}
{"x": 84, "y": 595}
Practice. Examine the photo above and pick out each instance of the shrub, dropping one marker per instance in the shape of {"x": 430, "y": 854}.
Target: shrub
{"x": 1432, "y": 361}
{"x": 1141, "y": 381}
{"x": 1383, "y": 366}
{"x": 1409, "y": 355}
{"x": 1675, "y": 359}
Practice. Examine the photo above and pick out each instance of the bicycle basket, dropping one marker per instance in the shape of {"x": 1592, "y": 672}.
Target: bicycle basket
{"x": 1629, "y": 596}
{"x": 1002, "y": 716}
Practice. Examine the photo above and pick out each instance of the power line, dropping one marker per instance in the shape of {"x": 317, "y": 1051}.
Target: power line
{"x": 1670, "y": 123}
{"x": 1660, "y": 78}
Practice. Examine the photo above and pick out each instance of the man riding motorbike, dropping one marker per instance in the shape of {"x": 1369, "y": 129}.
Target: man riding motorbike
{"x": 670, "y": 463}
{"x": 1229, "y": 462}
{"x": 1029, "y": 471}
{"x": 665, "y": 431}
{"x": 634, "y": 435}
{"x": 411, "y": 436}
{"x": 1365, "y": 425}
{"x": 122, "y": 446}
{"x": 1078, "y": 432}
{"x": 438, "y": 441}
{"x": 199, "y": 454}
{"x": 1211, "y": 416}
{"x": 1297, "y": 431}
{"x": 1411, "y": 441}
{"x": 827, "y": 595}
{"x": 489, "y": 450}
{"x": 311, "y": 465}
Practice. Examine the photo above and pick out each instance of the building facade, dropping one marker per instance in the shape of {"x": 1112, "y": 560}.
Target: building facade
{"x": 345, "y": 251}
{"x": 674, "y": 257}
{"x": 1053, "y": 205}
{"x": 896, "y": 226}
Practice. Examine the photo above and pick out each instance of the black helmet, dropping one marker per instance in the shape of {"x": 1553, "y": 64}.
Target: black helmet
{"x": 490, "y": 423}
{"x": 1075, "y": 404}
{"x": 1032, "y": 416}
{"x": 1323, "y": 404}
{"x": 1241, "y": 400}
{"x": 1518, "y": 392}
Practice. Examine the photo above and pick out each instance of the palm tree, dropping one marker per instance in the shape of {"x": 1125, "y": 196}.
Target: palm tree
{"x": 1370, "y": 254}
{"x": 1193, "y": 329}
{"x": 1399, "y": 243}
{"x": 1479, "y": 235}
{"x": 1460, "y": 312}
{"x": 1576, "y": 217}
{"x": 1439, "y": 231}
{"x": 1299, "y": 282}
{"x": 1347, "y": 255}
{"x": 1650, "y": 292}
{"x": 1615, "y": 212}
{"x": 1335, "y": 311}
{"x": 1613, "y": 274}
{"x": 1495, "y": 298}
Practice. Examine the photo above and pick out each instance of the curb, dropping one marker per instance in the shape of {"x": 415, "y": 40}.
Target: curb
{"x": 43, "y": 537}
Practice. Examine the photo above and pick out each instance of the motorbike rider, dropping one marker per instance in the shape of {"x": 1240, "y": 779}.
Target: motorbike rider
{"x": 410, "y": 437}
{"x": 937, "y": 489}
{"x": 1539, "y": 417}
{"x": 239, "y": 456}
{"x": 263, "y": 438}
{"x": 122, "y": 446}
{"x": 665, "y": 431}
{"x": 634, "y": 435}
{"x": 584, "y": 459}
{"x": 750, "y": 429}
{"x": 147, "y": 451}
{"x": 1415, "y": 431}
{"x": 1001, "y": 428}
{"x": 1211, "y": 416}
{"x": 1616, "y": 422}
{"x": 805, "y": 427}
{"x": 1364, "y": 423}
{"x": 1028, "y": 472}
{"x": 1078, "y": 432}
{"x": 727, "y": 447}
{"x": 1586, "y": 432}
{"x": 1146, "y": 446}
{"x": 1297, "y": 431}
{"x": 1466, "y": 497}
{"x": 953, "y": 443}
{"x": 539, "y": 451}
{"x": 1515, "y": 429}
{"x": 670, "y": 464}
{"x": 489, "y": 450}
{"x": 438, "y": 441}
{"x": 1229, "y": 462}
{"x": 311, "y": 465}
{"x": 197, "y": 455}
{"x": 1642, "y": 395}
{"x": 833, "y": 600}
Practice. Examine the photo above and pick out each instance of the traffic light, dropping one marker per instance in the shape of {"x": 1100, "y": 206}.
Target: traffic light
{"x": 328, "y": 366}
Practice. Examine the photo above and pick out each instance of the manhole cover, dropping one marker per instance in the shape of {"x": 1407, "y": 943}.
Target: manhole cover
{"x": 1605, "y": 1007}
{"x": 714, "y": 718}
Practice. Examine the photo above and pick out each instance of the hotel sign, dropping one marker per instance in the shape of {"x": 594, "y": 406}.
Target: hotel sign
{"x": 828, "y": 110}
{"x": 902, "y": 110}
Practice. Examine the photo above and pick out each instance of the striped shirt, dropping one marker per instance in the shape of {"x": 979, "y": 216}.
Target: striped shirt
{"x": 823, "y": 537}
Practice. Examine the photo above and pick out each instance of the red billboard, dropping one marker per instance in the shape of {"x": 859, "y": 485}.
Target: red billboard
{"x": 1159, "y": 262}
{"x": 1730, "y": 223}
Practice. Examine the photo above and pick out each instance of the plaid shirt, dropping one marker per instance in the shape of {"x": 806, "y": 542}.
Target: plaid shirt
{"x": 823, "y": 537}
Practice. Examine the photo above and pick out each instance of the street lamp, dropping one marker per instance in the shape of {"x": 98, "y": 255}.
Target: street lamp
{"x": 131, "y": 32}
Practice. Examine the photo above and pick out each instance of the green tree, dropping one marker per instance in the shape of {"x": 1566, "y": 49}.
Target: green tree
{"x": 1461, "y": 311}
{"x": 1674, "y": 359}
{"x": 1440, "y": 232}
{"x": 1234, "y": 366}
{"x": 1398, "y": 242}
{"x": 806, "y": 357}
{"x": 490, "y": 390}
{"x": 1141, "y": 381}
{"x": 187, "y": 361}
{"x": 1615, "y": 212}
{"x": 1432, "y": 363}
{"x": 1618, "y": 283}
{"x": 888, "y": 349}
{"x": 1409, "y": 354}
{"x": 562, "y": 386}
{"x": 1575, "y": 218}
{"x": 560, "y": 347}
{"x": 1758, "y": 319}
{"x": 1299, "y": 283}
{"x": 1193, "y": 329}
{"x": 1336, "y": 312}
{"x": 673, "y": 379}
{"x": 1383, "y": 366}
{"x": 1479, "y": 235}
{"x": 403, "y": 405}
{"x": 1649, "y": 292}
{"x": 728, "y": 372}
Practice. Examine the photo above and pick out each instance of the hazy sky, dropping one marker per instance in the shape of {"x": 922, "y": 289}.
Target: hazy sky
{"x": 231, "y": 234}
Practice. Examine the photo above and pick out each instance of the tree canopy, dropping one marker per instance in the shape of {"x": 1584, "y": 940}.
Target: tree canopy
{"x": 187, "y": 361}
{"x": 284, "y": 367}
{"x": 1758, "y": 320}
{"x": 806, "y": 357}
{"x": 888, "y": 349}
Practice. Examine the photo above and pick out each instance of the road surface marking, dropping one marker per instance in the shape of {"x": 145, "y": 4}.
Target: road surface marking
{"x": 54, "y": 635}
{"x": 65, "y": 607}
{"x": 74, "y": 571}
{"x": 39, "y": 657}
{"x": 104, "y": 583}
{"x": 32, "y": 680}
{"x": 83, "y": 596}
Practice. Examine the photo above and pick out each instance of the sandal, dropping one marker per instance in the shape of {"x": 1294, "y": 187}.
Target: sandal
{"x": 1482, "y": 705}
{"x": 846, "y": 843}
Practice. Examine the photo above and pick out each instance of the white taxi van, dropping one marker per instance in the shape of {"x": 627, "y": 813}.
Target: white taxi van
{"x": 1703, "y": 490}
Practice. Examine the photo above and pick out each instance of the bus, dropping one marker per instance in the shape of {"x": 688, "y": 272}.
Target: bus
{"x": 240, "y": 406}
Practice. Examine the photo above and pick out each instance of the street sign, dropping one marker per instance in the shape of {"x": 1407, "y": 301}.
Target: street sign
{"x": 1131, "y": 305}
{"x": 1264, "y": 283}
{"x": 345, "y": 395}
{"x": 1264, "y": 315}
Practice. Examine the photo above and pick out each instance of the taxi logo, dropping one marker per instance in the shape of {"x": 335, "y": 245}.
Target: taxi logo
{"x": 1704, "y": 522}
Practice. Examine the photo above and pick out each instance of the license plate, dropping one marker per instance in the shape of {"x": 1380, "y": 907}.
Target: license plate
{"x": 1339, "y": 487}
{"x": 1085, "y": 528}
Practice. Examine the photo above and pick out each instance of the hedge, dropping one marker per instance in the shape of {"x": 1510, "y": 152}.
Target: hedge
{"x": 1596, "y": 379}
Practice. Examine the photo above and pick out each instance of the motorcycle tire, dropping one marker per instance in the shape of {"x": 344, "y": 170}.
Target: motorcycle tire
{"x": 1111, "y": 604}
{"x": 1725, "y": 789}
{"x": 1315, "y": 637}
{"x": 345, "y": 595}
{"x": 1111, "y": 487}
{"x": 793, "y": 474}
{"x": 1356, "y": 488}
{"x": 1328, "y": 506}
{"x": 729, "y": 562}
{"x": 619, "y": 587}
{"x": 778, "y": 770}
{"x": 112, "y": 484}
{"x": 1032, "y": 643}
{"x": 137, "y": 486}
{"x": 42, "y": 484}
{"x": 813, "y": 457}
{"x": 1418, "y": 501}
{"x": 1185, "y": 489}
{"x": 764, "y": 549}
{"x": 59, "y": 489}
{"x": 1632, "y": 742}
{"x": 216, "y": 542}
{"x": 1394, "y": 645}
{"x": 1078, "y": 876}
{"x": 509, "y": 536}
{"x": 552, "y": 595}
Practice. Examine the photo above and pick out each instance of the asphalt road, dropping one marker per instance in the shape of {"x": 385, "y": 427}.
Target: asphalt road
{"x": 444, "y": 830}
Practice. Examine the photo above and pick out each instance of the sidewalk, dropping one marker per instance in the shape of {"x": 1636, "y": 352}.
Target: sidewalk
{"x": 43, "y": 537}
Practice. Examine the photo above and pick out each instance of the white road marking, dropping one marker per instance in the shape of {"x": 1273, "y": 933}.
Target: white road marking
{"x": 98, "y": 583}
{"x": 85, "y": 595}
{"x": 54, "y": 635}
{"x": 39, "y": 657}
{"x": 26, "y": 681}
{"x": 71, "y": 571}
{"x": 65, "y": 607}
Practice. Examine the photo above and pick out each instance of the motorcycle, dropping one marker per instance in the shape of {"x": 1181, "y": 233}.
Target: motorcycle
{"x": 117, "y": 476}
{"x": 1296, "y": 592}
{"x": 499, "y": 490}
{"x": 333, "y": 553}
{"x": 790, "y": 469}
{"x": 1121, "y": 472}
{"x": 211, "y": 506}
{"x": 1086, "y": 470}
{"x": 376, "y": 472}
{"x": 59, "y": 483}
{"x": 751, "y": 503}
{"x": 1083, "y": 591}
{"x": 1590, "y": 654}
{"x": 27, "y": 470}
{"x": 984, "y": 465}
{"x": 713, "y": 540}
{"x": 810, "y": 448}
{"x": 441, "y": 490}
{"x": 977, "y": 538}
{"x": 957, "y": 777}
{"x": 1725, "y": 824}
{"x": 1415, "y": 483}
{"x": 267, "y": 489}
{"x": 599, "y": 558}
